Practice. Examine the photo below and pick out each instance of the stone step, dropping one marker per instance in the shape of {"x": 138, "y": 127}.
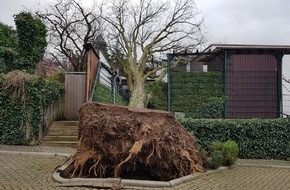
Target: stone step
{"x": 60, "y": 138}
{"x": 62, "y": 133}
{"x": 59, "y": 143}
{"x": 63, "y": 129}
{"x": 67, "y": 123}
{"x": 55, "y": 126}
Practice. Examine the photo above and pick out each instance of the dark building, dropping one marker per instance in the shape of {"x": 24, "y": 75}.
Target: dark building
{"x": 251, "y": 76}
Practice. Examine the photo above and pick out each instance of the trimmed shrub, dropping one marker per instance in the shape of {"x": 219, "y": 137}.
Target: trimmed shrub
{"x": 216, "y": 159}
{"x": 230, "y": 154}
{"x": 256, "y": 138}
{"x": 212, "y": 108}
{"x": 217, "y": 145}
{"x": 223, "y": 153}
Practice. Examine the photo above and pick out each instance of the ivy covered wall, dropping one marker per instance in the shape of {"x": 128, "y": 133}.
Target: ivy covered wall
{"x": 22, "y": 98}
{"x": 198, "y": 94}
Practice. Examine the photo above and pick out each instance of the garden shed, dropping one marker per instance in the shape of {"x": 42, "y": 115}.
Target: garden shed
{"x": 252, "y": 78}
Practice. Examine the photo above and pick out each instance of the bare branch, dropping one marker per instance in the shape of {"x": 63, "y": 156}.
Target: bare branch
{"x": 70, "y": 25}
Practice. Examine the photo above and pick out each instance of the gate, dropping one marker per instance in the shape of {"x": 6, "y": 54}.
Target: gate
{"x": 75, "y": 96}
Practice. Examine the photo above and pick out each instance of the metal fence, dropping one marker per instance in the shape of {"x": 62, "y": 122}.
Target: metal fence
{"x": 107, "y": 89}
{"x": 251, "y": 83}
{"x": 195, "y": 90}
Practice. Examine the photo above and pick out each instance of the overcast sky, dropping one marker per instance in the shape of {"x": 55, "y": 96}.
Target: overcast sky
{"x": 226, "y": 21}
{"x": 247, "y": 21}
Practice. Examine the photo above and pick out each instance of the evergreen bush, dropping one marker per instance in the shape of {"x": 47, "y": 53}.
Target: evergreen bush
{"x": 216, "y": 159}
{"x": 256, "y": 138}
{"x": 230, "y": 154}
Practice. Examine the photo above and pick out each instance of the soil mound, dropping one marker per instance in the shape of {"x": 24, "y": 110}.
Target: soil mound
{"x": 118, "y": 141}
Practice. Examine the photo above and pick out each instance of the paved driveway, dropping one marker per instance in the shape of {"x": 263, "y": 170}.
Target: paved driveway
{"x": 244, "y": 178}
{"x": 24, "y": 171}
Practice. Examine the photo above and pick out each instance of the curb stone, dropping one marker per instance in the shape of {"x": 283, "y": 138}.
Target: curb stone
{"x": 144, "y": 183}
{"x": 265, "y": 166}
{"x": 36, "y": 153}
{"x": 140, "y": 185}
{"x": 126, "y": 183}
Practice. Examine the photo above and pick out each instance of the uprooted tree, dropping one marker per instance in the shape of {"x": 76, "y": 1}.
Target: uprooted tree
{"x": 124, "y": 142}
{"x": 134, "y": 143}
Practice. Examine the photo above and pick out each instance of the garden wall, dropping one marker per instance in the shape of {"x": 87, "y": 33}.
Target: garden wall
{"x": 24, "y": 100}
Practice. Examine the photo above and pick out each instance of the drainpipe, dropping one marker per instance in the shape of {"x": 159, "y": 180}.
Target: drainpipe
{"x": 279, "y": 85}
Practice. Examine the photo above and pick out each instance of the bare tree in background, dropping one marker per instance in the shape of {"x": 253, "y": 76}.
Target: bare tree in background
{"x": 70, "y": 25}
{"x": 145, "y": 28}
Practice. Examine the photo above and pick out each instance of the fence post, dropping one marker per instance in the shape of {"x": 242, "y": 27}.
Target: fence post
{"x": 225, "y": 82}
{"x": 113, "y": 89}
{"x": 40, "y": 130}
{"x": 169, "y": 59}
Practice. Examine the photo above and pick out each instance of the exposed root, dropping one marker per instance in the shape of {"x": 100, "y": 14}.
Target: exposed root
{"x": 97, "y": 160}
{"x": 81, "y": 159}
{"x": 118, "y": 168}
{"x": 117, "y": 141}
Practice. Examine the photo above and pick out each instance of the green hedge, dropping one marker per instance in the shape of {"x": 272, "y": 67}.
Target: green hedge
{"x": 198, "y": 94}
{"x": 257, "y": 138}
{"x": 158, "y": 98}
{"x": 22, "y": 98}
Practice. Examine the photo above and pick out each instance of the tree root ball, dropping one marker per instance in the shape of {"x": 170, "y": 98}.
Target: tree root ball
{"x": 119, "y": 141}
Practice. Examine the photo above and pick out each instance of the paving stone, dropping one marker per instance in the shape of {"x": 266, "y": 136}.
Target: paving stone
{"x": 34, "y": 172}
{"x": 45, "y": 149}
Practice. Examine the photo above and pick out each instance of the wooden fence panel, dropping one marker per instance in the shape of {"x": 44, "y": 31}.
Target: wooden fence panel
{"x": 75, "y": 94}
{"x": 53, "y": 112}
{"x": 92, "y": 69}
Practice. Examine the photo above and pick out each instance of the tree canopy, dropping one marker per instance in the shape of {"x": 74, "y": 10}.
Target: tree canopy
{"x": 70, "y": 26}
{"x": 135, "y": 33}
{"x": 145, "y": 28}
{"x": 31, "y": 34}
{"x": 8, "y": 43}
{"x": 24, "y": 47}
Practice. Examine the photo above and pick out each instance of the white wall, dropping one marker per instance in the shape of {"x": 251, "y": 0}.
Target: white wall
{"x": 104, "y": 75}
{"x": 286, "y": 86}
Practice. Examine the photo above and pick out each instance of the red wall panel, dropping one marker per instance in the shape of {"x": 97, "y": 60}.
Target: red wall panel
{"x": 251, "y": 86}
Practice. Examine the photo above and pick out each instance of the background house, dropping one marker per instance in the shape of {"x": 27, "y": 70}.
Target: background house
{"x": 252, "y": 77}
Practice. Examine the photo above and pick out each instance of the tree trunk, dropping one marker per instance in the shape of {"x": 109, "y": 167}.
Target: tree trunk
{"x": 138, "y": 95}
